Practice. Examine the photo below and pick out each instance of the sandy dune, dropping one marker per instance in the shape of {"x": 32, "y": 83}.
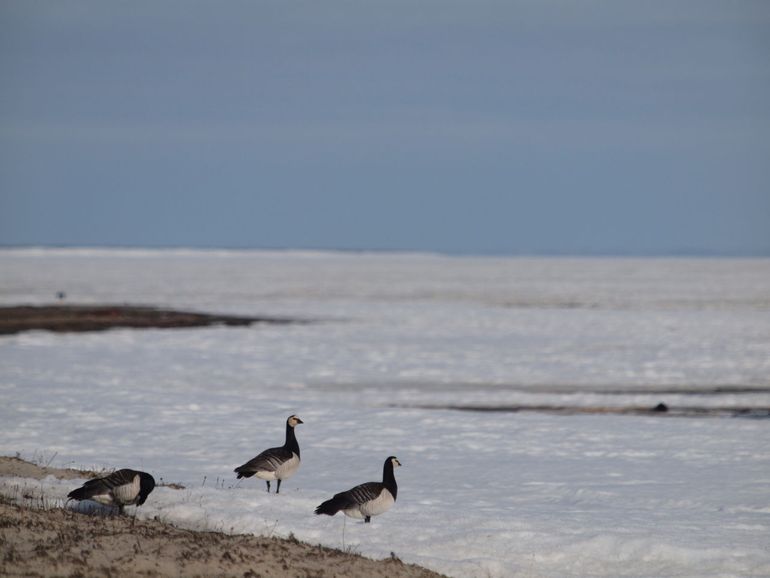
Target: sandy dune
{"x": 59, "y": 542}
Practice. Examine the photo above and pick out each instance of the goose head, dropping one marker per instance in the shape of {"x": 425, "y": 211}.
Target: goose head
{"x": 293, "y": 421}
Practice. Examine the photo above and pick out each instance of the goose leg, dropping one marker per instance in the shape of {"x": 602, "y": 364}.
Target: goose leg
{"x": 268, "y": 486}
{"x": 278, "y": 489}
{"x": 367, "y": 519}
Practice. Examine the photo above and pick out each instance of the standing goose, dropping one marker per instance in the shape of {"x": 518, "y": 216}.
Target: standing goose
{"x": 275, "y": 463}
{"x": 122, "y": 488}
{"x": 367, "y": 500}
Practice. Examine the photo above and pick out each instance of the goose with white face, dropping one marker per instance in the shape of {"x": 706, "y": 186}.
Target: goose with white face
{"x": 275, "y": 463}
{"x": 366, "y": 500}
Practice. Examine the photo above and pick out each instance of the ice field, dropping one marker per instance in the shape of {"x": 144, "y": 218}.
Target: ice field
{"x": 481, "y": 493}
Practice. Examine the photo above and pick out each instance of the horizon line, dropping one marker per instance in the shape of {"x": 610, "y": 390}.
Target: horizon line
{"x": 684, "y": 253}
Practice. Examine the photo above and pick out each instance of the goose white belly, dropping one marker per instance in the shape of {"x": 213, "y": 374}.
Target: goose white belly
{"x": 375, "y": 507}
{"x": 105, "y": 499}
{"x": 283, "y": 471}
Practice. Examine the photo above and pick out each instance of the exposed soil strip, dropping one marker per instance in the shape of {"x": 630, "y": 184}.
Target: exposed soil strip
{"x": 18, "y": 468}
{"x": 659, "y": 410}
{"x": 67, "y": 318}
{"x": 636, "y": 390}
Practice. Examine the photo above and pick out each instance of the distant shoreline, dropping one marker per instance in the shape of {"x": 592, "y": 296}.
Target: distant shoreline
{"x": 81, "y": 318}
{"x": 696, "y": 254}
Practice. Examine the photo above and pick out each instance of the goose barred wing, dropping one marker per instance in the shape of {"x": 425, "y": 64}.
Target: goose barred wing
{"x": 267, "y": 461}
{"x": 105, "y": 485}
{"x": 119, "y": 478}
{"x": 359, "y": 495}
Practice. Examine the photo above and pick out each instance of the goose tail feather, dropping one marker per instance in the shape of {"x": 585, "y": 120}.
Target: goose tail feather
{"x": 243, "y": 473}
{"x": 330, "y": 507}
{"x": 82, "y": 493}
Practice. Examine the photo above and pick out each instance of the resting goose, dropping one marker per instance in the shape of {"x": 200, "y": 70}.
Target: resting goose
{"x": 275, "y": 463}
{"x": 122, "y": 488}
{"x": 367, "y": 500}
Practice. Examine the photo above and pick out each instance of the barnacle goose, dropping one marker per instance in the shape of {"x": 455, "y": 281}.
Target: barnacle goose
{"x": 275, "y": 463}
{"x": 122, "y": 488}
{"x": 367, "y": 500}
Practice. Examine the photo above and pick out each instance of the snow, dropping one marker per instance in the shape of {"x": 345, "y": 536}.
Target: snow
{"x": 481, "y": 493}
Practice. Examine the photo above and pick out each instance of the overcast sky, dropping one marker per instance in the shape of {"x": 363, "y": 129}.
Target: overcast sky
{"x": 537, "y": 127}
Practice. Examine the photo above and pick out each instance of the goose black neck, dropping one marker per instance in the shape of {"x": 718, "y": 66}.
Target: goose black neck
{"x": 389, "y": 479}
{"x": 146, "y": 485}
{"x": 291, "y": 440}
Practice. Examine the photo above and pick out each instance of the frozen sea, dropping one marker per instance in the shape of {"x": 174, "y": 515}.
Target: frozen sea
{"x": 395, "y": 340}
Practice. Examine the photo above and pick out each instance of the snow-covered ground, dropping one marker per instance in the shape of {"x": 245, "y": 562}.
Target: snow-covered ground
{"x": 481, "y": 493}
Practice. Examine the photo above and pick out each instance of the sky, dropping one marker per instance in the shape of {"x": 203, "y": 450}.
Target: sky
{"x": 477, "y": 127}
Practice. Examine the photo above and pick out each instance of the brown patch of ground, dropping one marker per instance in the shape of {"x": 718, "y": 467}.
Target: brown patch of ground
{"x": 63, "y": 318}
{"x": 59, "y": 542}
{"x": 658, "y": 410}
{"x": 16, "y": 467}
